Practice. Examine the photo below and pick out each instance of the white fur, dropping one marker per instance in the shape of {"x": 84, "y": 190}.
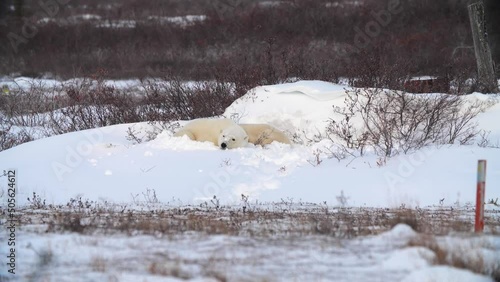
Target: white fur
{"x": 263, "y": 134}
{"x": 223, "y": 133}
{"x": 233, "y": 136}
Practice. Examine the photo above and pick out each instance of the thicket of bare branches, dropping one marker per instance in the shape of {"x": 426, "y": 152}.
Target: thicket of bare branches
{"x": 175, "y": 99}
{"x": 392, "y": 122}
{"x": 8, "y": 138}
{"x": 41, "y": 111}
{"x": 262, "y": 43}
{"x": 387, "y": 121}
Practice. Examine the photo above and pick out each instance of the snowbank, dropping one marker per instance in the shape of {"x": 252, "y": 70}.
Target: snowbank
{"x": 101, "y": 164}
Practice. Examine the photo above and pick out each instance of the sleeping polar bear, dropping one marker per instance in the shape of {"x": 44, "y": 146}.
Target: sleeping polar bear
{"x": 263, "y": 134}
{"x": 223, "y": 133}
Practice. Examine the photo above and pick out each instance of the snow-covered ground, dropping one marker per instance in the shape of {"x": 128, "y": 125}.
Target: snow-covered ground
{"x": 104, "y": 166}
{"x": 182, "y": 21}
{"x": 25, "y": 83}
{"x": 94, "y": 163}
{"x": 195, "y": 257}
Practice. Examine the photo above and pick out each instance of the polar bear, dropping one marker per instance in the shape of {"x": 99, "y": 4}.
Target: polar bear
{"x": 224, "y": 133}
{"x": 263, "y": 134}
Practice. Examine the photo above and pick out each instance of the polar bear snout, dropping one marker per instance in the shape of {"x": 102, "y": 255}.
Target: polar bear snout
{"x": 223, "y": 146}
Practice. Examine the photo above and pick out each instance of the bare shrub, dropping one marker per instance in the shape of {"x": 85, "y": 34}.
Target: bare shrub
{"x": 67, "y": 107}
{"x": 91, "y": 104}
{"x": 36, "y": 202}
{"x": 25, "y": 106}
{"x": 40, "y": 111}
{"x": 465, "y": 257}
{"x": 377, "y": 68}
{"x": 304, "y": 44}
{"x": 98, "y": 264}
{"x": 22, "y": 114}
{"x": 316, "y": 160}
{"x": 173, "y": 99}
{"x": 392, "y": 122}
{"x": 409, "y": 217}
{"x": 10, "y": 135}
{"x": 167, "y": 268}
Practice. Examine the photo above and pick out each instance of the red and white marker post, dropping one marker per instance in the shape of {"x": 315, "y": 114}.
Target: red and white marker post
{"x": 481, "y": 183}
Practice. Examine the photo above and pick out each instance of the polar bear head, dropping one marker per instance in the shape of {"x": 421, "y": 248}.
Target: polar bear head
{"x": 233, "y": 137}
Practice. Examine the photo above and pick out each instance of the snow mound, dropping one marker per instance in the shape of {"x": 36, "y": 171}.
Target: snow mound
{"x": 410, "y": 259}
{"x": 400, "y": 230}
{"x": 319, "y": 90}
{"x": 399, "y": 235}
{"x": 305, "y": 107}
{"x": 165, "y": 140}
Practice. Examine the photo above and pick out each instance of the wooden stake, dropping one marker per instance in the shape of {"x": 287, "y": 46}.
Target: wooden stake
{"x": 480, "y": 189}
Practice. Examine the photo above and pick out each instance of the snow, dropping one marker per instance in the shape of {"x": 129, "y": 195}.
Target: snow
{"x": 423, "y": 78}
{"x": 102, "y": 165}
{"x": 445, "y": 273}
{"x": 342, "y": 4}
{"x": 25, "y": 83}
{"x": 196, "y": 257}
{"x": 117, "y": 24}
{"x": 272, "y": 3}
{"x": 409, "y": 259}
{"x": 92, "y": 163}
{"x": 182, "y": 21}
{"x": 84, "y": 17}
{"x": 304, "y": 109}
{"x": 99, "y": 21}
